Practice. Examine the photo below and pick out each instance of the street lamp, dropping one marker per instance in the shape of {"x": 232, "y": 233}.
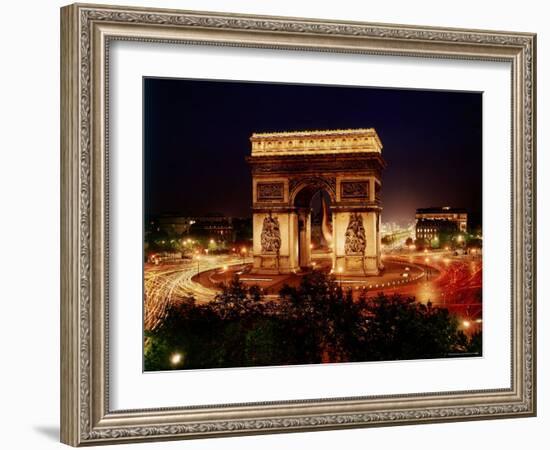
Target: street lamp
{"x": 176, "y": 359}
{"x": 428, "y": 268}
{"x": 243, "y": 252}
{"x": 199, "y": 266}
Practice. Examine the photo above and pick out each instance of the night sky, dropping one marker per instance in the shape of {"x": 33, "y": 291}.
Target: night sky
{"x": 197, "y": 134}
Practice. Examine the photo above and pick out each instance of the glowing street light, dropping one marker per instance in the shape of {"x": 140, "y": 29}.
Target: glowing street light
{"x": 176, "y": 359}
{"x": 466, "y": 324}
{"x": 243, "y": 252}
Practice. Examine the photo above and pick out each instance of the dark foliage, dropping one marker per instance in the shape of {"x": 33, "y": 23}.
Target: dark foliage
{"x": 313, "y": 323}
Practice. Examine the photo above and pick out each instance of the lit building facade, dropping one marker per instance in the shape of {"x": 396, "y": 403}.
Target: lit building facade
{"x": 215, "y": 226}
{"x": 288, "y": 169}
{"x": 430, "y": 222}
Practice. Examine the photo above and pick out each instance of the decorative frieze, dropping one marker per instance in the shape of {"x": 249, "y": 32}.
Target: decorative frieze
{"x": 360, "y": 140}
{"x": 358, "y": 190}
{"x": 270, "y": 191}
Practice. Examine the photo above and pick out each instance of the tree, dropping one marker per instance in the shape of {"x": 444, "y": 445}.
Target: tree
{"x": 421, "y": 243}
{"x": 409, "y": 241}
{"x": 401, "y": 328}
{"x": 327, "y": 313}
{"x": 315, "y": 322}
{"x": 237, "y": 299}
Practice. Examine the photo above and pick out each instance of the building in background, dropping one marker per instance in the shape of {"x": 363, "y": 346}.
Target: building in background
{"x": 432, "y": 222}
{"x": 214, "y": 226}
{"x": 210, "y": 226}
{"x": 173, "y": 223}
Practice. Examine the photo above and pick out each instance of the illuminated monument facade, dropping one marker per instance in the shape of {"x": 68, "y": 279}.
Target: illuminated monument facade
{"x": 288, "y": 169}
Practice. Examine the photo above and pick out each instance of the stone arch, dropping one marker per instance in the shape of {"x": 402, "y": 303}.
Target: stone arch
{"x": 314, "y": 183}
{"x": 288, "y": 168}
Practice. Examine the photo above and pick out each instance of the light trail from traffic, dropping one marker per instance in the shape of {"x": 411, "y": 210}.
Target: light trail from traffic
{"x": 455, "y": 283}
{"x": 168, "y": 282}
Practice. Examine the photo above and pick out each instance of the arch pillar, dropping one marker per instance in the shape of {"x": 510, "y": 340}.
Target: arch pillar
{"x": 356, "y": 242}
{"x": 272, "y": 226}
{"x": 304, "y": 237}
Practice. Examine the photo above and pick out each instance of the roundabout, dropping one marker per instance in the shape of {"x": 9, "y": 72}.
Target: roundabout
{"x": 396, "y": 273}
{"x": 439, "y": 278}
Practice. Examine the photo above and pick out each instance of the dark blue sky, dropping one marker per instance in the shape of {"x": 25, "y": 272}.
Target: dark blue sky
{"x": 196, "y": 139}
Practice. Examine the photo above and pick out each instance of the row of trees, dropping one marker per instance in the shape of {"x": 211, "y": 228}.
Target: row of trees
{"x": 167, "y": 238}
{"x": 450, "y": 240}
{"x": 313, "y": 323}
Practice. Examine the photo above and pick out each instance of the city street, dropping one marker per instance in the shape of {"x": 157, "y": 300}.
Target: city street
{"x": 452, "y": 282}
{"x": 166, "y": 282}
{"x": 455, "y": 284}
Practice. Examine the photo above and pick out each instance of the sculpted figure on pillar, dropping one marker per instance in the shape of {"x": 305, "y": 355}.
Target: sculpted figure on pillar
{"x": 355, "y": 235}
{"x": 271, "y": 235}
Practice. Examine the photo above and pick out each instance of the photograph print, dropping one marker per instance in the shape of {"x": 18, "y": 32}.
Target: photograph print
{"x": 293, "y": 224}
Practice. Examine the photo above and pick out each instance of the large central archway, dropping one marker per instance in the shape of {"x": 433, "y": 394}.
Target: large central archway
{"x": 302, "y": 199}
{"x": 288, "y": 169}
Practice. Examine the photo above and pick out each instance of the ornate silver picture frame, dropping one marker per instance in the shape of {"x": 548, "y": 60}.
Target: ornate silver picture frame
{"x": 87, "y": 32}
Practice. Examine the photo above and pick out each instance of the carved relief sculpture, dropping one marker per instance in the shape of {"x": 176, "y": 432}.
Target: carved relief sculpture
{"x": 354, "y": 189}
{"x": 270, "y": 191}
{"x": 271, "y": 235}
{"x": 355, "y": 235}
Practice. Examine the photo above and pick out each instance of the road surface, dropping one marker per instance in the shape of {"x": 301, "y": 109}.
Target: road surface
{"x": 449, "y": 282}
{"x": 166, "y": 282}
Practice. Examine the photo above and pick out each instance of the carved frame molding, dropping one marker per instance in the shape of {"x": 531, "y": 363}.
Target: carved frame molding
{"x": 86, "y": 31}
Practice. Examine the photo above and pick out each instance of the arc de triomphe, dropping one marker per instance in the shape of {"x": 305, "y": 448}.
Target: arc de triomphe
{"x": 288, "y": 168}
